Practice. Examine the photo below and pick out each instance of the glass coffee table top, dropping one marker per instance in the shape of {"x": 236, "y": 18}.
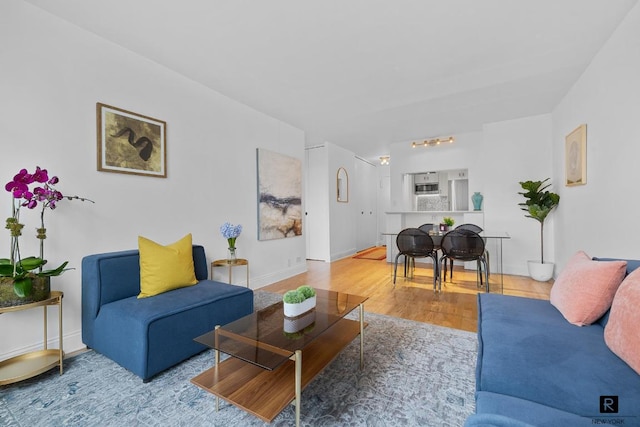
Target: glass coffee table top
{"x": 267, "y": 338}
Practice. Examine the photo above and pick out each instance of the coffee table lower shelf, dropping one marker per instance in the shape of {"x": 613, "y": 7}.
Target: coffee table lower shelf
{"x": 265, "y": 393}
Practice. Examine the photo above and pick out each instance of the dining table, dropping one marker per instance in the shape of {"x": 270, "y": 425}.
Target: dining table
{"x": 493, "y": 244}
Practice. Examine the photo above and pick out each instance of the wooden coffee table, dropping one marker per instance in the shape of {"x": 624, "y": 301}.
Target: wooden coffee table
{"x": 265, "y": 372}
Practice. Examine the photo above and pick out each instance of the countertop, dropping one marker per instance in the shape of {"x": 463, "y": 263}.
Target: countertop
{"x": 433, "y": 212}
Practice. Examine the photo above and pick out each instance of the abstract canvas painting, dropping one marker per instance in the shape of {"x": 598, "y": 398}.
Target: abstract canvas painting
{"x": 279, "y": 195}
{"x": 130, "y": 143}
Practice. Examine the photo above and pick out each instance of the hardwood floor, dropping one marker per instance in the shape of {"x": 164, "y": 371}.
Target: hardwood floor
{"x": 412, "y": 298}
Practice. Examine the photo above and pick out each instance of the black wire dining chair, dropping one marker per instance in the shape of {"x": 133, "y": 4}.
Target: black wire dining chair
{"x": 476, "y": 229}
{"x": 465, "y": 245}
{"x": 414, "y": 243}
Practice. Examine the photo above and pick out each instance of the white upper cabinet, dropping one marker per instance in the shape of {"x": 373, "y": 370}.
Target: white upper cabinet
{"x": 457, "y": 174}
{"x": 426, "y": 178}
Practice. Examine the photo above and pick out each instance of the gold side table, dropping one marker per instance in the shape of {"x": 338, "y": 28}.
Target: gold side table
{"x": 33, "y": 363}
{"x": 230, "y": 265}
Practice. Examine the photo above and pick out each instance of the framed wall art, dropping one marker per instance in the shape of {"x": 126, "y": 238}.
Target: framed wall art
{"x": 130, "y": 143}
{"x": 576, "y": 157}
{"x": 279, "y": 195}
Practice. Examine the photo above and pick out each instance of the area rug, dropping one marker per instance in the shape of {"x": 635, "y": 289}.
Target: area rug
{"x": 377, "y": 253}
{"x": 415, "y": 374}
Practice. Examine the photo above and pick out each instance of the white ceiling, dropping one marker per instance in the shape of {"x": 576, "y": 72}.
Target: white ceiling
{"x": 366, "y": 73}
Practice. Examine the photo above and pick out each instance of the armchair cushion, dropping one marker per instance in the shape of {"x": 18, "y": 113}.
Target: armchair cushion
{"x": 164, "y": 268}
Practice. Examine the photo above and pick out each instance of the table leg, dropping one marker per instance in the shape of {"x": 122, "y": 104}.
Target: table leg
{"x": 361, "y": 336}
{"x": 60, "y": 333}
{"x": 298, "y": 385}
{"x": 45, "y": 326}
{"x": 230, "y": 271}
{"x": 247, "y": 274}
{"x": 216, "y": 357}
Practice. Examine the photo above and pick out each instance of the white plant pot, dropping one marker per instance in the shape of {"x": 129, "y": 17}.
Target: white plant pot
{"x": 292, "y": 325}
{"x": 539, "y": 271}
{"x": 295, "y": 310}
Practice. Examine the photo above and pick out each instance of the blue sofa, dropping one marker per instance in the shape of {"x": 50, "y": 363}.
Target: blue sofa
{"x": 149, "y": 335}
{"x": 535, "y": 368}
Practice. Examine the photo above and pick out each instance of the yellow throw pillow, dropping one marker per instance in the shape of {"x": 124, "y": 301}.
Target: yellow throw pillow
{"x": 163, "y": 268}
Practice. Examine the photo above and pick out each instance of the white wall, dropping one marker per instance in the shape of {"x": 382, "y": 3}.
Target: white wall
{"x": 601, "y": 217}
{"x": 51, "y": 76}
{"x": 384, "y": 200}
{"x": 342, "y": 215}
{"x": 515, "y": 151}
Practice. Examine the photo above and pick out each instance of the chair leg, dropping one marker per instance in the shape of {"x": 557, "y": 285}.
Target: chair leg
{"x": 488, "y": 268}
{"x": 436, "y": 273}
{"x": 451, "y": 270}
{"x": 486, "y": 272}
{"x": 395, "y": 269}
{"x": 443, "y": 260}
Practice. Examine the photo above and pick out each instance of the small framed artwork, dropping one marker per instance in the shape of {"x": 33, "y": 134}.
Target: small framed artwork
{"x": 131, "y": 143}
{"x": 576, "y": 157}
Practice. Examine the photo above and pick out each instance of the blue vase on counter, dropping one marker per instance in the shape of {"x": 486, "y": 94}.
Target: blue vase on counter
{"x": 477, "y": 201}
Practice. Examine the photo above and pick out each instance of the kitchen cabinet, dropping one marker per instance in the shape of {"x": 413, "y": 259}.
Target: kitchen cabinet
{"x": 426, "y": 178}
{"x": 458, "y": 174}
{"x": 444, "y": 185}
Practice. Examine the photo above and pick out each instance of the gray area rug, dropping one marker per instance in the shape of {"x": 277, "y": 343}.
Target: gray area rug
{"x": 415, "y": 374}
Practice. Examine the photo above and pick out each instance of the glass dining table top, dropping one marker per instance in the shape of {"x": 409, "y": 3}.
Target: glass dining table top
{"x": 262, "y": 338}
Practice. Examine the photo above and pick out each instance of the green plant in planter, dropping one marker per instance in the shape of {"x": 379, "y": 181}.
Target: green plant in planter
{"x": 307, "y": 291}
{"x": 293, "y": 297}
{"x": 538, "y": 205}
{"x": 448, "y": 221}
{"x": 299, "y": 295}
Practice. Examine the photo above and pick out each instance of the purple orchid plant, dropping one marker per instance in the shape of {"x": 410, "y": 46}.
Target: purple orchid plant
{"x": 45, "y": 195}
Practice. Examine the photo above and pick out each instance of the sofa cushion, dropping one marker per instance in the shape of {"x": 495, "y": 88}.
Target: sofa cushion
{"x": 163, "y": 268}
{"x": 509, "y": 411}
{"x": 584, "y": 290}
{"x": 527, "y": 350}
{"x": 622, "y": 333}
{"x": 149, "y": 335}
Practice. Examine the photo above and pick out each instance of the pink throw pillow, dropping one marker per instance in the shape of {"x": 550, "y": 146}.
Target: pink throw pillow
{"x": 622, "y": 334}
{"x": 584, "y": 290}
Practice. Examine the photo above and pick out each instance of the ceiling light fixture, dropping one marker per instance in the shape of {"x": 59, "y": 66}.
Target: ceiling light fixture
{"x": 384, "y": 160}
{"x": 432, "y": 142}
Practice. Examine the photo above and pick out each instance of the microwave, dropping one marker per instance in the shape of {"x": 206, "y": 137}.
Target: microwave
{"x": 427, "y": 188}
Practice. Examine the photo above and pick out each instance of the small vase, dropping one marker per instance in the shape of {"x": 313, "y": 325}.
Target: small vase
{"x": 231, "y": 256}
{"x": 477, "y": 201}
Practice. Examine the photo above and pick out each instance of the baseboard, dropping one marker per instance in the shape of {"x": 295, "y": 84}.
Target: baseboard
{"x": 343, "y": 254}
{"x": 268, "y": 279}
{"x": 72, "y": 343}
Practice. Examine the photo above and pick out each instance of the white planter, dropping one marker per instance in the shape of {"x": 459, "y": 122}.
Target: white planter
{"x": 539, "y": 271}
{"x": 294, "y": 310}
{"x": 292, "y": 325}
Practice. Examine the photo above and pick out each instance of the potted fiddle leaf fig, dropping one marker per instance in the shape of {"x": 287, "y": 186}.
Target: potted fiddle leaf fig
{"x": 538, "y": 204}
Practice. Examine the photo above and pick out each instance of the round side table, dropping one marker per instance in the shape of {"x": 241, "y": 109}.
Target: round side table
{"x": 230, "y": 265}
